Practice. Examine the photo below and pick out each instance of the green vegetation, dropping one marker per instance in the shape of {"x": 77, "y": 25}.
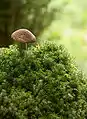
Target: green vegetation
{"x": 45, "y": 83}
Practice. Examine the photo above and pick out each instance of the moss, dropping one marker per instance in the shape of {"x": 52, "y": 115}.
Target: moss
{"x": 43, "y": 84}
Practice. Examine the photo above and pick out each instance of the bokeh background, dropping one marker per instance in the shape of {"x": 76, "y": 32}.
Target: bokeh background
{"x": 58, "y": 21}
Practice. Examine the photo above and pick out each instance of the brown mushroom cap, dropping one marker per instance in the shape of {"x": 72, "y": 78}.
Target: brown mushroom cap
{"x": 23, "y": 35}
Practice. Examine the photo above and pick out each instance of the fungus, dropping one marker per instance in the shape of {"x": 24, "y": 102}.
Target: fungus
{"x": 23, "y": 36}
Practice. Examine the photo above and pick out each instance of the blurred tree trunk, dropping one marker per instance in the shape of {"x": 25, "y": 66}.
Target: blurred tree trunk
{"x": 4, "y": 40}
{"x": 10, "y": 19}
{"x": 4, "y": 37}
{"x": 34, "y": 15}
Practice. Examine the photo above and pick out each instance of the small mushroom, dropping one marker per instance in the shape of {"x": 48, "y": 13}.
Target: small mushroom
{"x": 23, "y": 36}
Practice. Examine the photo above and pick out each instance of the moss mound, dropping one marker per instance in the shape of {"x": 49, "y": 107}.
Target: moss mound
{"x": 45, "y": 83}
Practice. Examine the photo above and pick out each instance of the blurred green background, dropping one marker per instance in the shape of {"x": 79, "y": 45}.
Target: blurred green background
{"x": 59, "y": 21}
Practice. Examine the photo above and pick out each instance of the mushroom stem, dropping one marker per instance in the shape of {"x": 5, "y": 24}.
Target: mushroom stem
{"x": 21, "y": 48}
{"x": 26, "y": 46}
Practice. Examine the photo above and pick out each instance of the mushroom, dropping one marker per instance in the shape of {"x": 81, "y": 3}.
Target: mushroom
{"x": 23, "y": 36}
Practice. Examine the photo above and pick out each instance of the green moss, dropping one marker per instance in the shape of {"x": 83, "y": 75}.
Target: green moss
{"x": 45, "y": 83}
